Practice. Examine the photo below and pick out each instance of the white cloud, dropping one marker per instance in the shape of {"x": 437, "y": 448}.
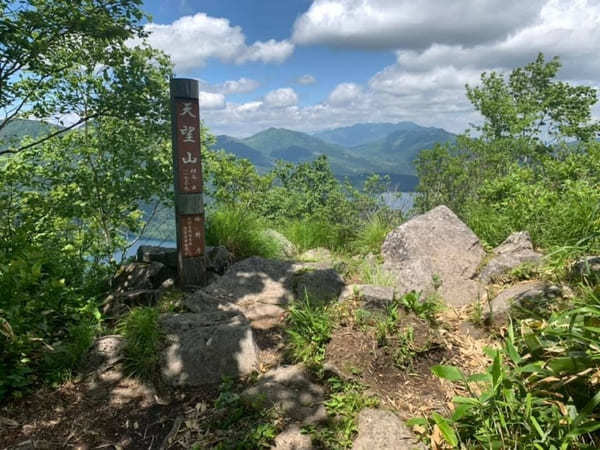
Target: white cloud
{"x": 281, "y": 98}
{"x": 426, "y": 82}
{"x": 344, "y": 94}
{"x": 241, "y": 86}
{"x": 210, "y": 100}
{"x": 306, "y": 79}
{"x": 192, "y": 40}
{"x": 411, "y": 24}
{"x": 270, "y": 51}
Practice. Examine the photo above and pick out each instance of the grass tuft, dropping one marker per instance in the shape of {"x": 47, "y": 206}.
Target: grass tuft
{"x": 143, "y": 335}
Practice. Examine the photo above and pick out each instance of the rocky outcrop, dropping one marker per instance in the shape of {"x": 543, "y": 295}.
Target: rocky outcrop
{"x": 514, "y": 251}
{"x": 202, "y": 348}
{"x": 292, "y": 438}
{"x": 218, "y": 259}
{"x": 261, "y": 288}
{"x": 136, "y": 284}
{"x": 370, "y": 296}
{"x": 435, "y": 245}
{"x": 383, "y": 430}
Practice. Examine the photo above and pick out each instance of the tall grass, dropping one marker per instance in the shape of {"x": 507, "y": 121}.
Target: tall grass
{"x": 242, "y": 232}
{"x": 143, "y": 335}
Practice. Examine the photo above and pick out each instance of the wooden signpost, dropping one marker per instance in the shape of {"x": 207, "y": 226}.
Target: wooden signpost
{"x": 187, "y": 170}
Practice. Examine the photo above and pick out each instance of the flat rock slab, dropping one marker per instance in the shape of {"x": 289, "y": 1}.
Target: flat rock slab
{"x": 514, "y": 251}
{"x": 435, "y": 244}
{"x": 292, "y": 439}
{"x": 289, "y": 389}
{"x": 383, "y": 430}
{"x": 202, "y": 348}
{"x": 371, "y": 297}
{"x": 260, "y": 289}
{"x": 525, "y": 294}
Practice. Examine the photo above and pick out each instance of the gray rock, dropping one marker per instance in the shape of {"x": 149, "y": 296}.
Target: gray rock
{"x": 106, "y": 352}
{"x": 372, "y": 297}
{"x": 514, "y": 251}
{"x": 587, "y": 267}
{"x": 152, "y": 253}
{"x": 140, "y": 276}
{"x": 435, "y": 244}
{"x": 527, "y": 294}
{"x": 289, "y": 389}
{"x": 383, "y": 430}
{"x": 202, "y": 348}
{"x": 319, "y": 254}
{"x": 218, "y": 259}
{"x": 319, "y": 284}
{"x": 292, "y": 439}
{"x": 288, "y": 249}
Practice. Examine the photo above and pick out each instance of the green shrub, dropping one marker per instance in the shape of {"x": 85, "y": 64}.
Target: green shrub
{"x": 143, "y": 336}
{"x": 242, "y": 232}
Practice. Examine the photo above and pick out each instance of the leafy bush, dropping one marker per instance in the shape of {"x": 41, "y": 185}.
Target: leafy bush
{"x": 143, "y": 336}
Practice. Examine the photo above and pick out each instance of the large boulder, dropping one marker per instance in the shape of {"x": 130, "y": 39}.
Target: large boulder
{"x": 435, "y": 245}
{"x": 202, "y": 348}
{"x": 383, "y": 430}
{"x": 514, "y": 251}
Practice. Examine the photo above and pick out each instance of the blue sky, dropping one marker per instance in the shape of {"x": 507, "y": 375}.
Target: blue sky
{"x": 314, "y": 64}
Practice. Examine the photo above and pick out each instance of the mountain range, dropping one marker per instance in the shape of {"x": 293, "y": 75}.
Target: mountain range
{"x": 354, "y": 152}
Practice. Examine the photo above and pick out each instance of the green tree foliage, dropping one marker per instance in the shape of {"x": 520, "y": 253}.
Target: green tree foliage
{"x": 532, "y": 164}
{"x": 69, "y": 199}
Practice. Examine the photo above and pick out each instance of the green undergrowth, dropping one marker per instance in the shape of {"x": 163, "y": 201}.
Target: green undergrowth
{"x": 241, "y": 423}
{"x": 542, "y": 389}
{"x": 345, "y": 400}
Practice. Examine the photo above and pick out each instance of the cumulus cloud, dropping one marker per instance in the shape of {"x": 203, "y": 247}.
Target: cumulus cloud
{"x": 281, "y": 98}
{"x": 192, "y": 40}
{"x": 410, "y": 24}
{"x": 241, "y": 86}
{"x": 426, "y": 82}
{"x": 306, "y": 79}
{"x": 210, "y": 100}
{"x": 344, "y": 94}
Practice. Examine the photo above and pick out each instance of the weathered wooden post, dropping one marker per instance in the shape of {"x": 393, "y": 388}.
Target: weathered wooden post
{"x": 187, "y": 170}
